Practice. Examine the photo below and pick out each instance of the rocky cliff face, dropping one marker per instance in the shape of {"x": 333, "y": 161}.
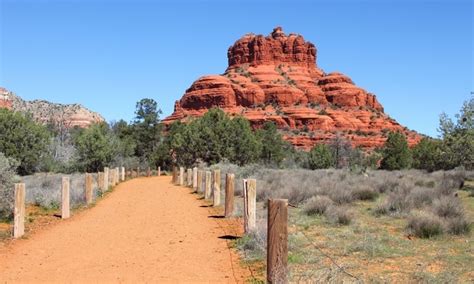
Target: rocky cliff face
{"x": 46, "y": 112}
{"x": 276, "y": 78}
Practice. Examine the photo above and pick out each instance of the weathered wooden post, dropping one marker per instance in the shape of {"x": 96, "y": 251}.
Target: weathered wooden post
{"x": 89, "y": 192}
{"x": 122, "y": 174}
{"x": 229, "y": 195}
{"x": 250, "y": 205}
{"x": 207, "y": 189}
{"x": 148, "y": 172}
{"x": 216, "y": 188}
{"x": 111, "y": 177}
{"x": 115, "y": 178}
{"x": 189, "y": 177}
{"x": 200, "y": 188}
{"x": 65, "y": 208}
{"x": 175, "y": 175}
{"x": 181, "y": 176}
{"x": 277, "y": 241}
{"x": 106, "y": 179}
{"x": 159, "y": 171}
{"x": 100, "y": 181}
{"x": 195, "y": 179}
{"x": 117, "y": 175}
{"x": 19, "y": 211}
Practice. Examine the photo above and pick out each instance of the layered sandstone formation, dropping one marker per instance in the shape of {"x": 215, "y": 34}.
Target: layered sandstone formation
{"x": 5, "y": 100}
{"x": 276, "y": 78}
{"x": 46, "y": 112}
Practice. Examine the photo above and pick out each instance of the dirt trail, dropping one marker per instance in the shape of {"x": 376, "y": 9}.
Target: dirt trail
{"x": 147, "y": 230}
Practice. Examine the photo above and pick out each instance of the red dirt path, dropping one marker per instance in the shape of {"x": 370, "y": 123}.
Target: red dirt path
{"x": 147, "y": 230}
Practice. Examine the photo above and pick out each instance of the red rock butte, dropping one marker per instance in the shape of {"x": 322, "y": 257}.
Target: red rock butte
{"x": 276, "y": 78}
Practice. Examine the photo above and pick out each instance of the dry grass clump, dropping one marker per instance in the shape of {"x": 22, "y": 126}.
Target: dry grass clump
{"x": 445, "y": 215}
{"x": 420, "y": 197}
{"x": 254, "y": 244}
{"x": 317, "y": 205}
{"x": 457, "y": 225}
{"x": 448, "y": 207}
{"x": 341, "y": 195}
{"x": 364, "y": 192}
{"x": 425, "y": 225}
{"x": 339, "y": 215}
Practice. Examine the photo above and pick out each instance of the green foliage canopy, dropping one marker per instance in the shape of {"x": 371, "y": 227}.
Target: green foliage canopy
{"x": 395, "y": 154}
{"x": 321, "y": 157}
{"x": 23, "y": 140}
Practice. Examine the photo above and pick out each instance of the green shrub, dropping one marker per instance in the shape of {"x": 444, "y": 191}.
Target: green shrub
{"x": 23, "y": 140}
{"x": 396, "y": 154}
{"x": 273, "y": 145}
{"x": 320, "y": 157}
{"x": 94, "y": 148}
{"x": 426, "y": 155}
{"x": 7, "y": 178}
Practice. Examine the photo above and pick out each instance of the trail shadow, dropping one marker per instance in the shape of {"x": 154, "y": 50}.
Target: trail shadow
{"x": 205, "y": 206}
{"x": 57, "y": 215}
{"x": 229, "y": 237}
{"x": 216, "y": 217}
{"x": 201, "y": 198}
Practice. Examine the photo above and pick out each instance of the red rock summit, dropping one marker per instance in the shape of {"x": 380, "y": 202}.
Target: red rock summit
{"x": 276, "y": 78}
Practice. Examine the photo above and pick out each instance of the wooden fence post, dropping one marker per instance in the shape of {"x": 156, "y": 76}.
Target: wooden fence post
{"x": 277, "y": 241}
{"x": 159, "y": 171}
{"x": 122, "y": 174}
{"x": 175, "y": 175}
{"x": 19, "y": 211}
{"x": 207, "y": 193}
{"x": 65, "y": 208}
{"x": 106, "y": 179}
{"x": 117, "y": 175}
{"x": 200, "y": 174}
{"x": 148, "y": 172}
{"x": 216, "y": 188}
{"x": 229, "y": 195}
{"x": 250, "y": 205}
{"x": 111, "y": 177}
{"x": 189, "y": 178}
{"x": 195, "y": 179}
{"x": 89, "y": 192}
{"x": 181, "y": 176}
{"x": 100, "y": 181}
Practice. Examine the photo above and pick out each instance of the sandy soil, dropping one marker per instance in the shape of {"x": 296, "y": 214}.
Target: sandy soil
{"x": 147, "y": 230}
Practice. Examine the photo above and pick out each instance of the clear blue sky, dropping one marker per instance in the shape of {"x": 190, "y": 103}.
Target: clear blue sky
{"x": 416, "y": 56}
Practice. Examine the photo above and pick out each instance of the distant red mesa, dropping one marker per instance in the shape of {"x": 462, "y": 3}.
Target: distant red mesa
{"x": 275, "y": 78}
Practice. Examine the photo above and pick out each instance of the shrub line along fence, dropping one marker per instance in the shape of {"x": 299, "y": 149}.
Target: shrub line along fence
{"x": 209, "y": 184}
{"x": 105, "y": 179}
